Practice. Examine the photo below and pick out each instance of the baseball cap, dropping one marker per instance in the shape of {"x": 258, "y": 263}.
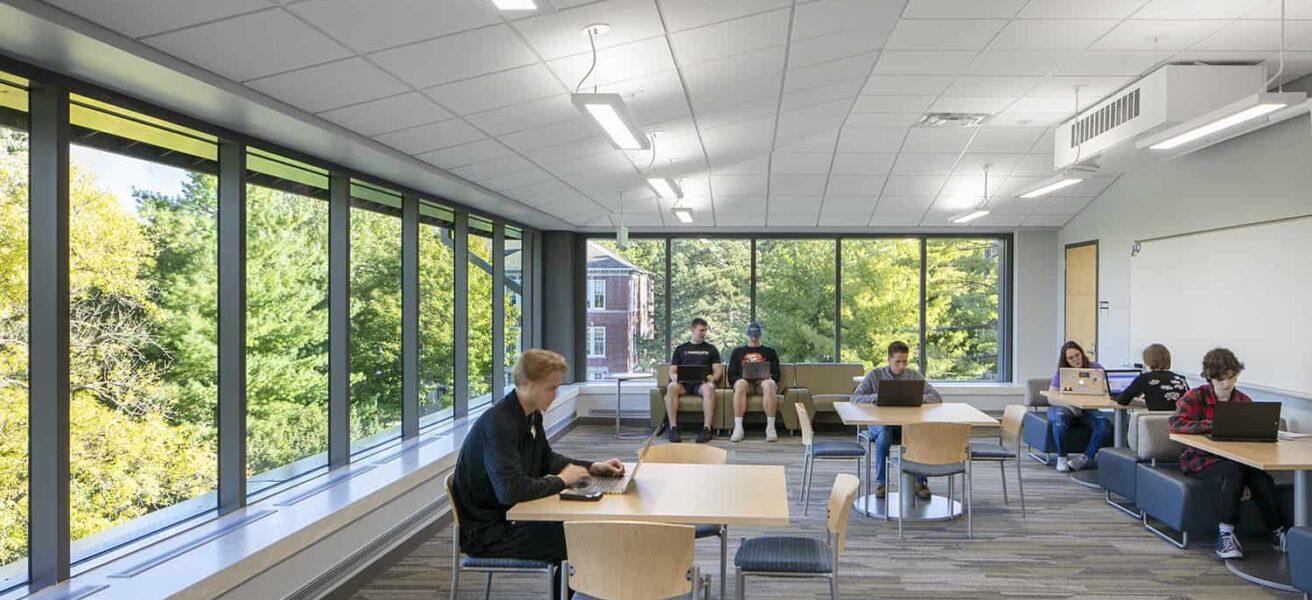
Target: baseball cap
{"x": 754, "y": 329}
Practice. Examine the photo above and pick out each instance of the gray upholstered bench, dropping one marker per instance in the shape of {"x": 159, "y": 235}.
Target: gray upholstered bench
{"x": 1118, "y": 468}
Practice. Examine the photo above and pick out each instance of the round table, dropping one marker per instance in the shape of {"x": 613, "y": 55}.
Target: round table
{"x": 620, "y": 378}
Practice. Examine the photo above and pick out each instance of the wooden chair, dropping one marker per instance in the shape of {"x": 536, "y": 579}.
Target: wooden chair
{"x": 936, "y": 450}
{"x": 821, "y": 451}
{"x": 1013, "y": 418}
{"x": 489, "y": 566}
{"x": 698, "y": 454}
{"x": 797, "y": 556}
{"x": 622, "y": 560}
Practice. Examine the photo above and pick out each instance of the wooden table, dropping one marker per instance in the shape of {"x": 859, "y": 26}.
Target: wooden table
{"x": 1266, "y": 568}
{"x": 620, "y": 378}
{"x": 676, "y": 493}
{"x": 937, "y": 508}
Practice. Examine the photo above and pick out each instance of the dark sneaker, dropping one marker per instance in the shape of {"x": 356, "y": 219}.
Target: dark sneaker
{"x": 880, "y": 491}
{"x": 1227, "y": 546}
{"x": 1278, "y": 540}
{"x": 674, "y": 435}
{"x": 1077, "y": 462}
{"x": 704, "y": 436}
{"x": 922, "y": 491}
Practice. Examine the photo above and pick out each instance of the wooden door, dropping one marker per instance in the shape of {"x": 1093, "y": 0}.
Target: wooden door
{"x": 1082, "y": 295}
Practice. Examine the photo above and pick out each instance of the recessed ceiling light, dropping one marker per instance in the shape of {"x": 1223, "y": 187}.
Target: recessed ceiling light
{"x": 515, "y": 4}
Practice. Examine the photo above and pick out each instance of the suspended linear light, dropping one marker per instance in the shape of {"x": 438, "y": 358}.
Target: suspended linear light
{"x": 515, "y": 4}
{"x": 967, "y": 217}
{"x": 683, "y": 213}
{"x": 665, "y": 188}
{"x": 1062, "y": 182}
{"x": 1246, "y": 110}
{"x": 610, "y": 112}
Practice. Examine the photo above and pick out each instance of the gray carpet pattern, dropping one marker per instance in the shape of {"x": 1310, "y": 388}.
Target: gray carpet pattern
{"x": 1072, "y": 545}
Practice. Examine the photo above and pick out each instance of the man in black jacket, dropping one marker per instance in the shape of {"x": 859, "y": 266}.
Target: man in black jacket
{"x": 506, "y": 459}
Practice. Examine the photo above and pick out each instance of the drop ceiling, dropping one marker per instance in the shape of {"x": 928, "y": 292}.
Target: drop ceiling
{"x": 772, "y": 113}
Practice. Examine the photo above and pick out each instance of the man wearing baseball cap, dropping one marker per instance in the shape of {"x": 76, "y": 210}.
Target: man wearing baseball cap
{"x": 754, "y": 352}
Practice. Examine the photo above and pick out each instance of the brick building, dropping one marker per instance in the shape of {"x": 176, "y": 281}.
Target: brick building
{"x": 619, "y": 311}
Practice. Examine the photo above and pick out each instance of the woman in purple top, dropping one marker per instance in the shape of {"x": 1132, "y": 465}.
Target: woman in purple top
{"x": 1061, "y": 417}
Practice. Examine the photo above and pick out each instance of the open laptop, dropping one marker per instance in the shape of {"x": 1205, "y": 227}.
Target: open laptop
{"x": 910, "y": 392}
{"x": 622, "y": 484}
{"x": 693, "y": 373}
{"x": 1119, "y": 379}
{"x": 756, "y": 371}
{"x": 1084, "y": 382}
{"x": 1245, "y": 422}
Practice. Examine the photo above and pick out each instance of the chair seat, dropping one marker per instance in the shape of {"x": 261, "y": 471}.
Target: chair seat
{"x": 916, "y": 468}
{"x": 838, "y": 449}
{"x": 784, "y": 554}
{"x": 473, "y": 562}
{"x": 989, "y": 450}
{"x": 705, "y": 531}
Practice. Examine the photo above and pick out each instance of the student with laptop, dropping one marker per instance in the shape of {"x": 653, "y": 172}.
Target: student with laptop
{"x": 1193, "y": 414}
{"x": 869, "y": 391}
{"x": 1159, "y": 386}
{"x": 1063, "y": 417}
{"x": 506, "y": 459}
{"x": 694, "y": 369}
{"x": 754, "y": 369}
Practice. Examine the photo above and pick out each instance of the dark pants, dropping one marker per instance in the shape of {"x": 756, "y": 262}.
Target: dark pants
{"x": 531, "y": 540}
{"x": 1232, "y": 478}
{"x": 1062, "y": 418}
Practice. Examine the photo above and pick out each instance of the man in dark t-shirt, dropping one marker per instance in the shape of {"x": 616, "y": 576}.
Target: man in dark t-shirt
{"x": 754, "y": 352}
{"x": 696, "y": 351}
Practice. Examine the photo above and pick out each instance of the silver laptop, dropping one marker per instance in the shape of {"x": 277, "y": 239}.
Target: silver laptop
{"x": 1083, "y": 382}
{"x": 619, "y": 485}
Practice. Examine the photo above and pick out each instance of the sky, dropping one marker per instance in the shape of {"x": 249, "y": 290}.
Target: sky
{"x": 121, "y": 174}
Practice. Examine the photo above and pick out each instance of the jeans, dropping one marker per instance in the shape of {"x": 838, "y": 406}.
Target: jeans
{"x": 1062, "y": 418}
{"x": 884, "y": 437}
{"x": 1232, "y": 478}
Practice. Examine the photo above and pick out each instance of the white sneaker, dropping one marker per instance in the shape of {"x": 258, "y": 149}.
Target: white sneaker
{"x": 771, "y": 435}
{"x": 737, "y": 435}
{"x": 1062, "y": 465}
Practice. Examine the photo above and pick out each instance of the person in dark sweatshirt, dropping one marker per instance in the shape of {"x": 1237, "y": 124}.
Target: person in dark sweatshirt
{"x": 868, "y": 392}
{"x": 768, "y": 388}
{"x": 1159, "y": 386}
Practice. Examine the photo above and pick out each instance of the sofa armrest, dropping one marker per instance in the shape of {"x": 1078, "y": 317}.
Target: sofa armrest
{"x": 801, "y": 396}
{"x": 657, "y": 398}
{"x": 1300, "y": 558}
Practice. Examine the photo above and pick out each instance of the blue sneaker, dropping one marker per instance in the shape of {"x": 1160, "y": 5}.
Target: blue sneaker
{"x": 1227, "y": 546}
{"x": 1278, "y": 541}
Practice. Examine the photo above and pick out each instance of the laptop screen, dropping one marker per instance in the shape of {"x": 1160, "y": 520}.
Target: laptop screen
{"x": 1119, "y": 379}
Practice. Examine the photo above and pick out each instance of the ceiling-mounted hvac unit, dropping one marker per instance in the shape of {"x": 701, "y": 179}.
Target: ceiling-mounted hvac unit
{"x": 1167, "y": 97}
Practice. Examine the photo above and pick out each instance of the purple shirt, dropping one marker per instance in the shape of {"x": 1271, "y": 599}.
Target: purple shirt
{"x": 1056, "y": 377}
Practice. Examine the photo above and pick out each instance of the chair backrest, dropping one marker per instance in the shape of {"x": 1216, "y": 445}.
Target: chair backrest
{"x": 623, "y": 559}
{"x": 804, "y": 423}
{"x": 1033, "y": 391}
{"x": 451, "y": 497}
{"x": 787, "y": 376}
{"x": 1013, "y": 418}
{"x": 936, "y": 443}
{"x": 840, "y": 508}
{"x": 688, "y": 454}
{"x": 1152, "y": 437}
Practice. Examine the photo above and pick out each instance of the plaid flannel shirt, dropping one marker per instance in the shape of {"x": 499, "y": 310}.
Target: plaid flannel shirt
{"x": 1193, "y": 414}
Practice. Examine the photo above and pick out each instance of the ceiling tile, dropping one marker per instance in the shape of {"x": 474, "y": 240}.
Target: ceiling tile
{"x": 759, "y": 165}
{"x": 1000, "y": 165}
{"x": 481, "y": 51}
{"x": 962, "y": 9}
{"x": 465, "y": 154}
{"x": 808, "y": 219}
{"x": 1092, "y": 90}
{"x": 568, "y": 130}
{"x": 1014, "y": 206}
{"x": 1039, "y": 165}
{"x": 1037, "y": 220}
{"x": 925, "y": 164}
{"x": 735, "y": 185}
{"x": 1270, "y": 9}
{"x": 496, "y": 90}
{"x": 910, "y": 104}
{"x": 1018, "y": 62}
{"x": 899, "y": 185}
{"x": 387, "y": 114}
{"x": 1156, "y": 35}
{"x": 137, "y": 18}
{"x": 992, "y": 86}
{"x": 794, "y": 204}
{"x": 686, "y": 14}
{"x": 972, "y": 104}
{"x": 859, "y": 207}
{"x": 760, "y": 64}
{"x": 1064, "y": 105}
{"x": 370, "y": 26}
{"x": 924, "y": 62}
{"x": 1112, "y": 63}
{"x": 731, "y": 37}
{"x": 843, "y": 69}
{"x": 873, "y": 17}
{"x": 797, "y": 184}
{"x": 529, "y": 115}
{"x": 822, "y": 142}
{"x": 251, "y": 45}
{"x": 330, "y": 85}
{"x": 434, "y": 136}
{"x": 851, "y": 163}
{"x": 870, "y": 139}
{"x": 727, "y": 113}
{"x": 943, "y": 34}
{"x": 804, "y": 122}
{"x": 1062, "y": 205}
{"x": 559, "y": 34}
{"x": 1197, "y": 9}
{"x": 934, "y": 139}
{"x": 1015, "y": 118}
{"x": 1050, "y": 34}
{"x": 998, "y": 220}
{"x": 825, "y": 48}
{"x": 882, "y": 119}
{"x": 615, "y": 64}
{"x": 891, "y": 204}
{"x": 906, "y": 85}
{"x": 855, "y": 185}
{"x": 517, "y": 180}
{"x": 895, "y": 220}
{"x": 1250, "y": 35}
{"x": 836, "y": 218}
{"x": 505, "y": 165}
{"x": 1066, "y": 9}
{"x": 1005, "y": 140}
{"x": 800, "y": 163}
{"x": 843, "y": 90}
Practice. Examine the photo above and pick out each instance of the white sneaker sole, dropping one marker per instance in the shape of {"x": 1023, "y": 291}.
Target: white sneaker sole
{"x": 1229, "y": 555}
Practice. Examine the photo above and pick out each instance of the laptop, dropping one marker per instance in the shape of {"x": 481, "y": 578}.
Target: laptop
{"x": 611, "y": 486}
{"x": 756, "y": 371}
{"x": 1119, "y": 379}
{"x": 1245, "y": 422}
{"x": 693, "y": 373}
{"x": 910, "y": 392}
{"x": 1083, "y": 382}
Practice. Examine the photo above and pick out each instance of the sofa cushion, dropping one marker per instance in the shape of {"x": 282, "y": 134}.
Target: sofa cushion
{"x": 825, "y": 402}
{"x": 1033, "y": 387}
{"x": 827, "y": 378}
{"x": 1151, "y": 439}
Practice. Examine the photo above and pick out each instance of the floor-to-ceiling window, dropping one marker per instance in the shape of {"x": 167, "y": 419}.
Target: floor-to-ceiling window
{"x": 881, "y": 298}
{"x": 711, "y": 279}
{"x": 513, "y": 302}
{"x": 626, "y": 300}
{"x": 375, "y": 315}
{"x": 962, "y": 297}
{"x": 480, "y": 311}
{"x": 795, "y": 298}
{"x": 286, "y": 318}
{"x": 13, "y": 329}
{"x": 143, "y": 326}
{"x": 436, "y": 312}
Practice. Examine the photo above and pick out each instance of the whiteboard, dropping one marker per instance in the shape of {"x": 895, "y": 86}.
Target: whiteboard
{"x": 1248, "y": 289}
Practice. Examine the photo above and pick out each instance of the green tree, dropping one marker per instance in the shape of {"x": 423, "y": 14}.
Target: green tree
{"x": 795, "y": 298}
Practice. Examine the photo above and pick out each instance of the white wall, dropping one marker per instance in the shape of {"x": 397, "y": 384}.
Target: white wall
{"x": 1037, "y": 290}
{"x": 1261, "y": 176}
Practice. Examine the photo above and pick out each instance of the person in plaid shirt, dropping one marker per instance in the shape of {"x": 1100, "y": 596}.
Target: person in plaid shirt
{"x": 1193, "y": 414}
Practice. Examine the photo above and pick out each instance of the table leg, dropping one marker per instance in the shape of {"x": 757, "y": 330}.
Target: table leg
{"x": 1118, "y": 426}
{"x": 1270, "y": 568}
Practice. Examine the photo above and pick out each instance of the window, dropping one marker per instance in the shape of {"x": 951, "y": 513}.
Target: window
{"x": 14, "y": 450}
{"x": 596, "y": 341}
{"x": 286, "y": 318}
{"x": 480, "y": 312}
{"x": 638, "y": 307}
{"x": 375, "y": 315}
{"x": 795, "y": 298}
{"x": 962, "y": 296}
{"x": 596, "y": 294}
{"x": 512, "y": 296}
{"x": 143, "y": 330}
{"x": 881, "y": 298}
{"x": 436, "y": 312}
{"x": 598, "y": 373}
{"x": 711, "y": 279}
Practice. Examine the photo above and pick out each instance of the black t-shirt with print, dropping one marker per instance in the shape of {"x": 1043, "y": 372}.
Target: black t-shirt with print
{"x": 688, "y": 353}
{"x": 1160, "y": 389}
{"x": 744, "y": 354}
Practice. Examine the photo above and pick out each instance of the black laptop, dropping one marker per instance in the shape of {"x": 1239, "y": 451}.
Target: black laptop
{"x": 756, "y": 371}
{"x": 691, "y": 373}
{"x": 1245, "y": 422}
{"x": 909, "y": 392}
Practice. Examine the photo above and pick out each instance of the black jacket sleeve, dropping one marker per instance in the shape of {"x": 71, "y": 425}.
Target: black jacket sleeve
{"x": 511, "y": 484}
{"x": 735, "y": 365}
{"x": 1133, "y": 390}
{"x": 774, "y": 368}
{"x": 556, "y": 462}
